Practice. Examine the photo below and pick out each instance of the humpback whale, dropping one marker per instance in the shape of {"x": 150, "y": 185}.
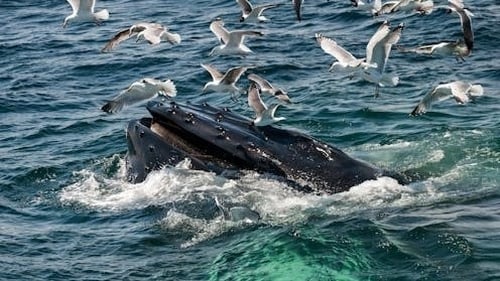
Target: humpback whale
{"x": 220, "y": 141}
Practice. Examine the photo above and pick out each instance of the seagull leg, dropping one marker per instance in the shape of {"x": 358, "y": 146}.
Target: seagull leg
{"x": 377, "y": 91}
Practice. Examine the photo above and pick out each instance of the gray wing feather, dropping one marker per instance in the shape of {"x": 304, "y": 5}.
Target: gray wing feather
{"x": 216, "y": 75}
{"x": 331, "y": 47}
{"x": 254, "y": 100}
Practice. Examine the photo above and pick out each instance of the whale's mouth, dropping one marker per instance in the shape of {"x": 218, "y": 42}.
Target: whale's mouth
{"x": 171, "y": 135}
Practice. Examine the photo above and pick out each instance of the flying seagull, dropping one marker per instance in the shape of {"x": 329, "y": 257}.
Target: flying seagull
{"x": 422, "y": 7}
{"x": 461, "y": 91}
{"x": 154, "y": 33}
{"x": 83, "y": 10}
{"x": 377, "y": 53}
{"x": 231, "y": 42}
{"x": 266, "y": 87}
{"x": 224, "y": 82}
{"x": 250, "y": 13}
{"x": 460, "y": 48}
{"x": 447, "y": 48}
{"x": 465, "y": 21}
{"x": 263, "y": 115}
{"x": 144, "y": 89}
{"x": 346, "y": 62}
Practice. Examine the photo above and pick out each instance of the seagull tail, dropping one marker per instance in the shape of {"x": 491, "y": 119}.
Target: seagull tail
{"x": 102, "y": 15}
{"x": 389, "y": 80}
{"x": 173, "y": 38}
{"x": 476, "y": 90}
{"x": 168, "y": 88}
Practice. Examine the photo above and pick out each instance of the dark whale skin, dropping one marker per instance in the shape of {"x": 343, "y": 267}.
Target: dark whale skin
{"x": 220, "y": 141}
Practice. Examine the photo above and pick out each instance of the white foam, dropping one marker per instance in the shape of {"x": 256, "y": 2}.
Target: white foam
{"x": 273, "y": 200}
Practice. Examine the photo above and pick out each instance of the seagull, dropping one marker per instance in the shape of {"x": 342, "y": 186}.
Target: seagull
{"x": 297, "y": 5}
{"x": 346, "y": 62}
{"x": 263, "y": 116}
{"x": 232, "y": 42}
{"x": 377, "y": 53}
{"x": 422, "y": 7}
{"x": 460, "y": 48}
{"x": 144, "y": 89}
{"x": 267, "y": 87}
{"x": 465, "y": 21}
{"x": 253, "y": 14}
{"x": 154, "y": 33}
{"x": 83, "y": 10}
{"x": 456, "y": 48}
{"x": 461, "y": 91}
{"x": 224, "y": 82}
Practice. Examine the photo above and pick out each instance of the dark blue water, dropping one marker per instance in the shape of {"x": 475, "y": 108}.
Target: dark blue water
{"x": 68, "y": 213}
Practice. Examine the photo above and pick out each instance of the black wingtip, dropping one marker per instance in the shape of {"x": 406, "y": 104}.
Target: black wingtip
{"x": 107, "y": 107}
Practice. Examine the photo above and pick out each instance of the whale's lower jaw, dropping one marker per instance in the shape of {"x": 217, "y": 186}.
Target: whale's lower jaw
{"x": 223, "y": 142}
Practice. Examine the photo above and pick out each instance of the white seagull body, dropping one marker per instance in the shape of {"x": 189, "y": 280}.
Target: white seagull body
{"x": 153, "y": 33}
{"x": 346, "y": 62}
{"x": 224, "y": 82}
{"x": 232, "y": 42}
{"x": 83, "y": 10}
{"x": 458, "y": 90}
{"x": 250, "y": 13}
{"x": 144, "y": 89}
{"x": 263, "y": 115}
{"x": 266, "y": 87}
{"x": 377, "y": 53}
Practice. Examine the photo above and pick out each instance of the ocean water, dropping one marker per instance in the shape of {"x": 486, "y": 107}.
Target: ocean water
{"x": 68, "y": 213}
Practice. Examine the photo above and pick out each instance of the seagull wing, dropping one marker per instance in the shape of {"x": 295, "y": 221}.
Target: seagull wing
{"x": 87, "y": 5}
{"x": 375, "y": 50}
{"x": 391, "y": 39}
{"x": 92, "y": 5}
{"x": 117, "y": 39}
{"x": 136, "y": 92}
{"x": 75, "y": 5}
{"x": 465, "y": 21}
{"x": 387, "y": 7}
{"x": 439, "y": 93}
{"x": 262, "y": 8}
{"x": 216, "y": 75}
{"x": 263, "y": 84}
{"x": 331, "y": 47}
{"x": 236, "y": 37}
{"x": 233, "y": 74}
{"x": 217, "y": 27}
{"x": 254, "y": 100}
{"x": 296, "y": 6}
{"x": 246, "y": 6}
